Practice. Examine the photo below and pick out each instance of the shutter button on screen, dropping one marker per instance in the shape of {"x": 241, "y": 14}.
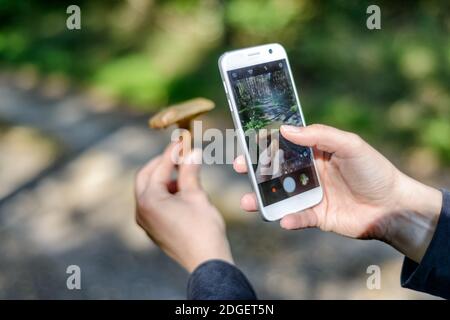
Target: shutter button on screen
{"x": 289, "y": 184}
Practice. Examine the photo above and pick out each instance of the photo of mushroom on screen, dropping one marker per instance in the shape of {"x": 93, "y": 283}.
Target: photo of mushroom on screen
{"x": 265, "y": 100}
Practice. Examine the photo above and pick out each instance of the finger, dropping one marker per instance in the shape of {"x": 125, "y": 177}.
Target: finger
{"x": 318, "y": 154}
{"x": 299, "y": 220}
{"x": 321, "y": 158}
{"x": 322, "y": 137}
{"x": 249, "y": 203}
{"x": 239, "y": 164}
{"x": 144, "y": 173}
{"x": 189, "y": 171}
{"x": 161, "y": 175}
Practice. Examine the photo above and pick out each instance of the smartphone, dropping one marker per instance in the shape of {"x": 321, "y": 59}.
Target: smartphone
{"x": 261, "y": 95}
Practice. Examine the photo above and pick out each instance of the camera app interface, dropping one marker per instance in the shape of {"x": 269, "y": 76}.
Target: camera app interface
{"x": 265, "y": 100}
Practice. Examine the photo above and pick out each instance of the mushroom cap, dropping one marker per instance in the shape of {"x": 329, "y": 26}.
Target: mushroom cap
{"x": 180, "y": 113}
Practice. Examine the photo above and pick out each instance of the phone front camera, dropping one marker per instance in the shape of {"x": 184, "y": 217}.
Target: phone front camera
{"x": 270, "y": 51}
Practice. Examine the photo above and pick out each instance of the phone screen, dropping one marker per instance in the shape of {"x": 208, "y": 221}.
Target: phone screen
{"x": 265, "y": 100}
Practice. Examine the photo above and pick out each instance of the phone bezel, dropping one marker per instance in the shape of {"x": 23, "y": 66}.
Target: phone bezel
{"x": 244, "y": 58}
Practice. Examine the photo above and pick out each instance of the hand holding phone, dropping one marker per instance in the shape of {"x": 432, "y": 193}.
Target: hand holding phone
{"x": 262, "y": 96}
{"x": 365, "y": 196}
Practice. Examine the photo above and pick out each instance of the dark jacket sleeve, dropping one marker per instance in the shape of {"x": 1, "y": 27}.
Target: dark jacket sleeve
{"x": 432, "y": 275}
{"x": 219, "y": 280}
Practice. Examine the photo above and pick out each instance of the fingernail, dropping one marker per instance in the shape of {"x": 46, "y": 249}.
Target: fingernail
{"x": 283, "y": 224}
{"x": 290, "y": 129}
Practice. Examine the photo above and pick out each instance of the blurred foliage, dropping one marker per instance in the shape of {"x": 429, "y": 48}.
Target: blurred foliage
{"x": 390, "y": 85}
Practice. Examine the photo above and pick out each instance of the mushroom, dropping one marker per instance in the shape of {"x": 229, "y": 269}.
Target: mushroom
{"x": 181, "y": 114}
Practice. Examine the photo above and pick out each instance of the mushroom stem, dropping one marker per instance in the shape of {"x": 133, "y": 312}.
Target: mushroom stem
{"x": 185, "y": 124}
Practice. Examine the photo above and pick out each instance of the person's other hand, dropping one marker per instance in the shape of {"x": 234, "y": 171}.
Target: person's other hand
{"x": 365, "y": 196}
{"x": 176, "y": 214}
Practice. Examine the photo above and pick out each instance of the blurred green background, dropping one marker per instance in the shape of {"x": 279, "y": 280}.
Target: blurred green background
{"x": 63, "y": 91}
{"x": 391, "y": 85}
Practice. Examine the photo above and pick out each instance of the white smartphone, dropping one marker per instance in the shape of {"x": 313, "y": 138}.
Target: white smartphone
{"x": 262, "y": 96}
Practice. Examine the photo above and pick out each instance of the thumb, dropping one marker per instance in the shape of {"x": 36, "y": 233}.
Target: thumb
{"x": 322, "y": 137}
{"x": 189, "y": 171}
